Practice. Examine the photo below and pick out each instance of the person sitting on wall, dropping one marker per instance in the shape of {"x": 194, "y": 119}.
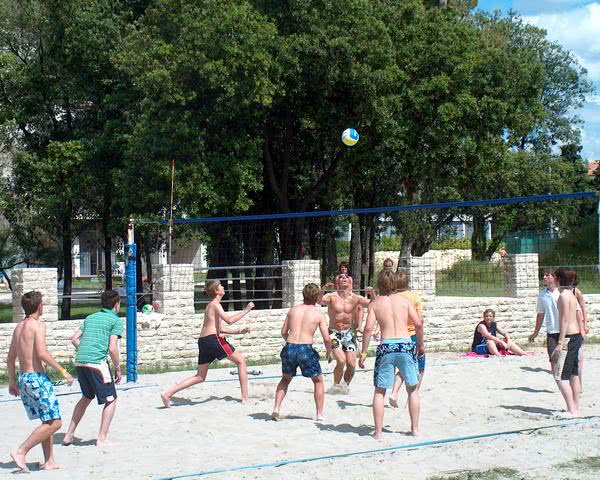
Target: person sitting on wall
{"x": 486, "y": 341}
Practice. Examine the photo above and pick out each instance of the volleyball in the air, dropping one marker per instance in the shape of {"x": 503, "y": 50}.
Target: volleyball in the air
{"x": 350, "y": 137}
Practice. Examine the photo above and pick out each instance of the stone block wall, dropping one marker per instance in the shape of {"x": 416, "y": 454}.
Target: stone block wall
{"x": 521, "y": 275}
{"x": 164, "y": 342}
{"x": 296, "y": 274}
{"x": 43, "y": 280}
{"x": 168, "y": 338}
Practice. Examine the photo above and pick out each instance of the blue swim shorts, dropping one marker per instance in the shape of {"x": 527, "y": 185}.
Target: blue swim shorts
{"x": 482, "y": 349}
{"x": 302, "y": 355}
{"x": 37, "y": 394}
{"x": 421, "y": 359}
{"x": 392, "y": 354}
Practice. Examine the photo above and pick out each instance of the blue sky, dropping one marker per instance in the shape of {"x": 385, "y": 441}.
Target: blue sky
{"x": 576, "y": 26}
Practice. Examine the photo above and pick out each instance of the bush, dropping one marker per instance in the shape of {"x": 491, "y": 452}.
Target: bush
{"x": 446, "y": 243}
{"x": 388, "y": 244}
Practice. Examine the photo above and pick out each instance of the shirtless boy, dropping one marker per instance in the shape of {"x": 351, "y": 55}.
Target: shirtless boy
{"x": 212, "y": 346}
{"x": 393, "y": 312}
{"x": 28, "y": 344}
{"x": 298, "y": 331}
{"x": 565, "y": 357}
{"x": 341, "y": 306}
{"x": 402, "y": 289}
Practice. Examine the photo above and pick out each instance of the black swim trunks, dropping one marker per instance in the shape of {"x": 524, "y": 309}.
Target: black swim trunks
{"x": 567, "y": 363}
{"x": 212, "y": 348}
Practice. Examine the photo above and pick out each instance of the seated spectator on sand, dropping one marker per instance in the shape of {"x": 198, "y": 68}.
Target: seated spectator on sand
{"x": 486, "y": 341}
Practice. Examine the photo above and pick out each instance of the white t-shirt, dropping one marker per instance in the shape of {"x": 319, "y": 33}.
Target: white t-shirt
{"x": 547, "y": 304}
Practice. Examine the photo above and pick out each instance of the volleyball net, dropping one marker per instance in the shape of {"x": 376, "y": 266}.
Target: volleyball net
{"x": 466, "y": 248}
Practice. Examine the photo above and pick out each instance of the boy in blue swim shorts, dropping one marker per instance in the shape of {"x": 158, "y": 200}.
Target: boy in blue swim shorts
{"x": 402, "y": 289}
{"x": 393, "y": 313}
{"x": 298, "y": 330}
{"x": 28, "y": 344}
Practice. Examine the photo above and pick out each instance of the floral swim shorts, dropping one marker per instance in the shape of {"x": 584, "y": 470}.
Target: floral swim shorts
{"x": 38, "y": 397}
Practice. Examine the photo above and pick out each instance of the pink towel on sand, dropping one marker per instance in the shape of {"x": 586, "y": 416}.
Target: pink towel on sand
{"x": 503, "y": 353}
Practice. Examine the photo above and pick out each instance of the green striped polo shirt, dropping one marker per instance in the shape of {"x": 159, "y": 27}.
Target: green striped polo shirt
{"x": 97, "y": 330}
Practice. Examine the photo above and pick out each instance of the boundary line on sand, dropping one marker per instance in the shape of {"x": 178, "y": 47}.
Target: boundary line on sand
{"x": 376, "y": 450}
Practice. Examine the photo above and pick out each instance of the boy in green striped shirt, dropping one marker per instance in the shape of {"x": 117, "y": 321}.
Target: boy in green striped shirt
{"x": 97, "y": 337}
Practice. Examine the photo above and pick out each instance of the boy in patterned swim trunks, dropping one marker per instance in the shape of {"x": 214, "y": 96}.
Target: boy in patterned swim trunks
{"x": 343, "y": 323}
{"x": 298, "y": 330}
{"x": 28, "y": 344}
{"x": 402, "y": 289}
{"x": 393, "y": 312}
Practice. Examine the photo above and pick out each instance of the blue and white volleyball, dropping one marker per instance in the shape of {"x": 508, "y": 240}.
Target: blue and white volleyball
{"x": 350, "y": 137}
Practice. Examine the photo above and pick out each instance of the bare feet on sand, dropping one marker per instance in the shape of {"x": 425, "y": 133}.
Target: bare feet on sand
{"x": 19, "y": 460}
{"x": 68, "y": 440}
{"x": 166, "y": 400}
{"x": 51, "y": 466}
{"x": 376, "y": 436}
{"x": 104, "y": 443}
{"x": 275, "y": 416}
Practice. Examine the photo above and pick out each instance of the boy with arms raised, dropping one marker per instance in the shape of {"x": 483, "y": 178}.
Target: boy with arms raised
{"x": 343, "y": 324}
{"x": 393, "y": 312}
{"x": 298, "y": 330}
{"x": 28, "y": 344}
{"x": 212, "y": 346}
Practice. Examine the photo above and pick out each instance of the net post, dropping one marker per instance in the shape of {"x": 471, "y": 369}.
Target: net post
{"x": 598, "y": 229}
{"x": 131, "y": 283}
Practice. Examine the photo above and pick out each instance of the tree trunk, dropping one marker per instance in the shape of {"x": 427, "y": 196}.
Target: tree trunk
{"x": 372, "y": 250}
{"x": 365, "y": 235}
{"x": 148, "y": 257}
{"x": 141, "y": 248}
{"x": 68, "y": 271}
{"x": 8, "y": 281}
{"x": 478, "y": 241}
{"x": 355, "y": 252}
{"x": 107, "y": 258}
{"x": 330, "y": 261}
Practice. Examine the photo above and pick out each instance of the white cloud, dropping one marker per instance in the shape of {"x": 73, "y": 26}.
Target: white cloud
{"x": 578, "y": 30}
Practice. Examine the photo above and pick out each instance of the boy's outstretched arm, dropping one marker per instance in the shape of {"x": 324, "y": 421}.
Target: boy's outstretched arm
{"x": 325, "y": 335}
{"x": 45, "y": 356}
{"x": 367, "y": 332}
{"x": 13, "y": 389}
{"x": 231, "y": 319}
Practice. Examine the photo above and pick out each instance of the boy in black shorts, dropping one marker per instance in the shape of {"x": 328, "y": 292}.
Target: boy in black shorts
{"x": 212, "y": 346}
{"x": 96, "y": 338}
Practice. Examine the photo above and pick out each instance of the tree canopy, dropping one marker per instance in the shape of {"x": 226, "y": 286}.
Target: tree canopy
{"x": 249, "y": 97}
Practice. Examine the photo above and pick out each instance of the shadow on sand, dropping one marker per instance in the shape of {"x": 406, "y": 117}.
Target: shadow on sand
{"x": 528, "y": 390}
{"x": 535, "y": 370}
{"x": 180, "y": 402}
{"x": 536, "y": 410}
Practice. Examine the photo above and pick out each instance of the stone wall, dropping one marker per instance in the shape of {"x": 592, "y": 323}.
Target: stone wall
{"x": 167, "y": 338}
{"x": 164, "y": 342}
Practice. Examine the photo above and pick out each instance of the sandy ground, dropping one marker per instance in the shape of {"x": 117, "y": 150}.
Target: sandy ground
{"x": 209, "y": 429}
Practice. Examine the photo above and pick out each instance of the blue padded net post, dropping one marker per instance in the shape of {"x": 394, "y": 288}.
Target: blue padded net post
{"x": 131, "y": 283}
